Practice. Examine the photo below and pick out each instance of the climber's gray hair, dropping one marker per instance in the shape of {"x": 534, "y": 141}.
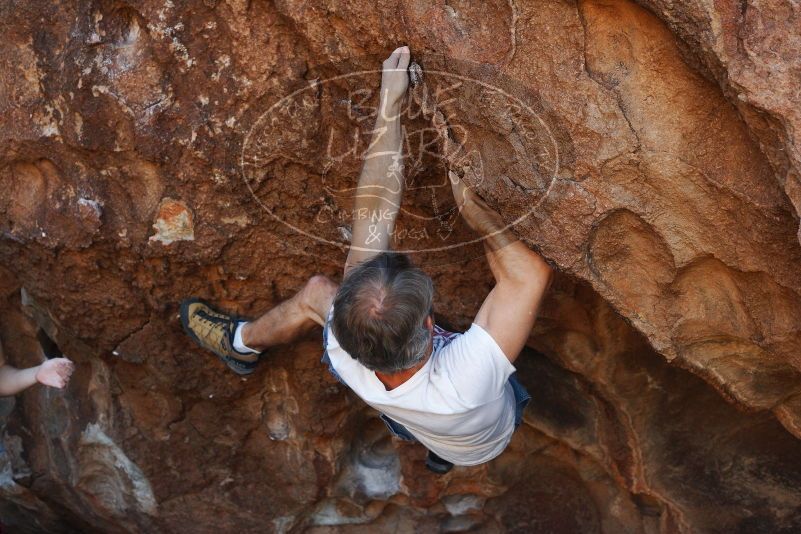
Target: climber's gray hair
{"x": 380, "y": 311}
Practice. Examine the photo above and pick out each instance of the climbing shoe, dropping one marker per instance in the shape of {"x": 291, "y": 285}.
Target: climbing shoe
{"x": 214, "y": 331}
{"x": 437, "y": 465}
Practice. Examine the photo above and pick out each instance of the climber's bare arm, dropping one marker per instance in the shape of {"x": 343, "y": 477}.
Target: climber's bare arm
{"x": 521, "y": 275}
{"x": 380, "y": 188}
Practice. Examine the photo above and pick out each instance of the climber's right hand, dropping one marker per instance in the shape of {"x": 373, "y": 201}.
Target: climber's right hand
{"x": 472, "y": 208}
{"x": 395, "y": 77}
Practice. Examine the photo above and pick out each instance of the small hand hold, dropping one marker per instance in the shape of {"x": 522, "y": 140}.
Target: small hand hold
{"x": 415, "y": 74}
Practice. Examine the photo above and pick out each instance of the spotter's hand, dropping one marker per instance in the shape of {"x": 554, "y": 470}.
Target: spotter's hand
{"x": 55, "y": 372}
{"x": 395, "y": 76}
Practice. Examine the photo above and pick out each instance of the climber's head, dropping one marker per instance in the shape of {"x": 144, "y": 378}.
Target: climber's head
{"x": 383, "y": 313}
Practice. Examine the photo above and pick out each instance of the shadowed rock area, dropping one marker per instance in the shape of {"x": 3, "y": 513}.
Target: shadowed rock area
{"x": 153, "y": 151}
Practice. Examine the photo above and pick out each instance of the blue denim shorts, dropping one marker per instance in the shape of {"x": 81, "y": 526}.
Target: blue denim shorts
{"x": 522, "y": 396}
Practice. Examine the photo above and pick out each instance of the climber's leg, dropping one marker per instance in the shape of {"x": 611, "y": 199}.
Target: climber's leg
{"x": 215, "y": 331}
{"x": 292, "y": 317}
{"x": 239, "y": 343}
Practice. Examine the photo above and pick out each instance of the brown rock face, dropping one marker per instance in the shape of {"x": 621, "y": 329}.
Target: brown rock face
{"x": 158, "y": 150}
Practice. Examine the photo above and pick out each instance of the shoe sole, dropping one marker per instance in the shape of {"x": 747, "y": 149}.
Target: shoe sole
{"x": 233, "y": 365}
{"x": 438, "y": 470}
{"x": 437, "y": 467}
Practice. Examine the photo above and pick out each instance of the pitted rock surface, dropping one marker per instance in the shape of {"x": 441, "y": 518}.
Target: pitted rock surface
{"x": 660, "y": 178}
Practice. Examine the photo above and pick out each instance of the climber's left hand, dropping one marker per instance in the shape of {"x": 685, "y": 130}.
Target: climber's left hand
{"x": 395, "y": 77}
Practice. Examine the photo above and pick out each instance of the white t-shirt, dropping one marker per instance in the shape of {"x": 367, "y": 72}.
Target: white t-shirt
{"x": 460, "y": 404}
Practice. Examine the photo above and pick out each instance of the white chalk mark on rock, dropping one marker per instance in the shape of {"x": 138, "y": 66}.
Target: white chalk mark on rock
{"x": 109, "y": 477}
{"x": 174, "y": 222}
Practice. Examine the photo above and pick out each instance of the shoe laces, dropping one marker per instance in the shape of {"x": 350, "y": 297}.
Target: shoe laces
{"x": 210, "y": 322}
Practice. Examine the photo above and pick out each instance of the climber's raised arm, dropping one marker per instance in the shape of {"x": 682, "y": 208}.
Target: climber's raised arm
{"x": 380, "y": 188}
{"x": 522, "y": 276}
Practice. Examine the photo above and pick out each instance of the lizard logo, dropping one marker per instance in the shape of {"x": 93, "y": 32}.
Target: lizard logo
{"x": 302, "y": 157}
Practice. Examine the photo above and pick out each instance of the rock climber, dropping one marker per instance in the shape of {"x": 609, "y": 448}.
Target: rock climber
{"x": 456, "y": 394}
